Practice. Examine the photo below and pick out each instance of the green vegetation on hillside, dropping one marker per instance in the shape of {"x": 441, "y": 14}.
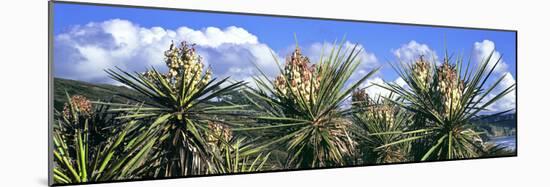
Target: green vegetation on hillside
{"x": 94, "y": 92}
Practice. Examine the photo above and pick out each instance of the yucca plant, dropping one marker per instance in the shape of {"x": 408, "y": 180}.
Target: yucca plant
{"x": 378, "y": 122}
{"x": 91, "y": 145}
{"x": 444, "y": 99}
{"x": 230, "y": 148}
{"x": 303, "y": 111}
{"x": 182, "y": 108}
{"x": 235, "y": 162}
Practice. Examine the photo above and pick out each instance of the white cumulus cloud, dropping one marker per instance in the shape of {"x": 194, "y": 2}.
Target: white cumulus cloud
{"x": 368, "y": 60}
{"x": 401, "y": 82}
{"x": 411, "y": 51}
{"x": 507, "y": 102}
{"x": 482, "y": 51}
{"x": 84, "y": 51}
{"x": 373, "y": 88}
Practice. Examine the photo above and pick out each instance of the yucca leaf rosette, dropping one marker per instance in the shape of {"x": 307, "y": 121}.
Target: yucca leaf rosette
{"x": 445, "y": 103}
{"x": 303, "y": 112}
{"x": 182, "y": 111}
{"x": 92, "y": 145}
{"x": 379, "y": 122}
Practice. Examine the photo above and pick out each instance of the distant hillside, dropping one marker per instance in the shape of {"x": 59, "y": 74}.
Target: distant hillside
{"x": 94, "y": 92}
{"x": 500, "y": 125}
{"x": 505, "y": 120}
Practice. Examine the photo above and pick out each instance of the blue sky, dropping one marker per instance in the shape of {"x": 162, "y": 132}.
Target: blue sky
{"x": 93, "y": 29}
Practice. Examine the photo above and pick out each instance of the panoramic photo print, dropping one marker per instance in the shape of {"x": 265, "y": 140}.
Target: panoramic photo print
{"x": 143, "y": 93}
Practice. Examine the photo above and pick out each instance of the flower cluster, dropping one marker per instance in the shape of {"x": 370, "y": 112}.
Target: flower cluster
{"x": 421, "y": 72}
{"x": 359, "y": 98}
{"x": 449, "y": 87}
{"x": 80, "y": 105}
{"x": 299, "y": 78}
{"x": 218, "y": 132}
{"x": 382, "y": 113}
{"x": 184, "y": 64}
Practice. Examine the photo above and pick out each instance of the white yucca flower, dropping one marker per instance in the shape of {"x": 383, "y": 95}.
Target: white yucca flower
{"x": 449, "y": 88}
{"x": 422, "y": 72}
{"x": 184, "y": 64}
{"x": 303, "y": 79}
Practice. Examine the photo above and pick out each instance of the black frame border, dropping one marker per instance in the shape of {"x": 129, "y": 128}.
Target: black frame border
{"x": 51, "y": 94}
